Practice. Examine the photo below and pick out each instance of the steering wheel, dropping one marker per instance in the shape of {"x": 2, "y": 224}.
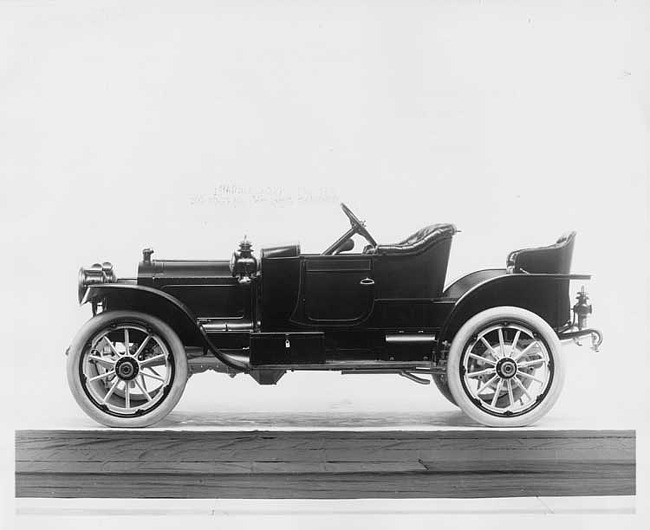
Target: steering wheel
{"x": 357, "y": 225}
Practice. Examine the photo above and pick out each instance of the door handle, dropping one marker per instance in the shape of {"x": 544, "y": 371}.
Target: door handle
{"x": 367, "y": 281}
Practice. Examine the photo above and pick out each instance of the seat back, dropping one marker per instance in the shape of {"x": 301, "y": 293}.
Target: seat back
{"x": 414, "y": 268}
{"x": 552, "y": 259}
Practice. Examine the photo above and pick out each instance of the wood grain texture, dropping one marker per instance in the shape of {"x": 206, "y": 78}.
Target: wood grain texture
{"x": 324, "y": 464}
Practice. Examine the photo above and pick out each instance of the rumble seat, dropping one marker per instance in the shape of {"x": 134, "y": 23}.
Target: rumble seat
{"x": 552, "y": 259}
{"x": 416, "y": 242}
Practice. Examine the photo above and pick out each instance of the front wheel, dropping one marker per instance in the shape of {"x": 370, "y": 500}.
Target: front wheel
{"x": 126, "y": 369}
{"x": 504, "y": 367}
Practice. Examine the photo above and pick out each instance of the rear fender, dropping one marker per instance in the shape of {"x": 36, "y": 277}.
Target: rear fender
{"x": 546, "y": 295}
{"x": 151, "y": 301}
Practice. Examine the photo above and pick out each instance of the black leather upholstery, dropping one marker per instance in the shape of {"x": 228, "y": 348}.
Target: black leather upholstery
{"x": 416, "y": 242}
{"x": 553, "y": 259}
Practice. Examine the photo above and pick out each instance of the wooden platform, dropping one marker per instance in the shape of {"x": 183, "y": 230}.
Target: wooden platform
{"x": 324, "y": 464}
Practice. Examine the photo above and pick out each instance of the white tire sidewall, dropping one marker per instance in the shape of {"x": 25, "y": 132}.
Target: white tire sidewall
{"x": 441, "y": 383}
{"x": 463, "y": 337}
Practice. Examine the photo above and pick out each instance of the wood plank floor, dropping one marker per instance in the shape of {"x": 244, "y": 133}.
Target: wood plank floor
{"x": 324, "y": 464}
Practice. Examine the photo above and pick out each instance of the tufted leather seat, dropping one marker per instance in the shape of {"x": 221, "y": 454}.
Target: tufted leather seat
{"x": 416, "y": 242}
{"x": 553, "y": 259}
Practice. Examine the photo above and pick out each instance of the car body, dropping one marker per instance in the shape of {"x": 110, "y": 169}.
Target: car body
{"x": 490, "y": 340}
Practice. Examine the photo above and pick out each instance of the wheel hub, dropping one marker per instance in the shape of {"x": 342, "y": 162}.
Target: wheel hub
{"x": 506, "y": 368}
{"x": 127, "y": 368}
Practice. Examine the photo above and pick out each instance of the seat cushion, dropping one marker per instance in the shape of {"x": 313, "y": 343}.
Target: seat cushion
{"x": 418, "y": 241}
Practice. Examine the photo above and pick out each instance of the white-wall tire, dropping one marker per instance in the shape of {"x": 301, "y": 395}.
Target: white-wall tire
{"x": 112, "y": 358}
{"x": 440, "y": 380}
{"x": 504, "y": 367}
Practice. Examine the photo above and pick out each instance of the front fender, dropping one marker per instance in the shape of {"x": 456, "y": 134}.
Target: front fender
{"x": 546, "y": 295}
{"x": 162, "y": 305}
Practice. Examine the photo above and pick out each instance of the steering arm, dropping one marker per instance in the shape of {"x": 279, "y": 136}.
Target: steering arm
{"x": 356, "y": 227}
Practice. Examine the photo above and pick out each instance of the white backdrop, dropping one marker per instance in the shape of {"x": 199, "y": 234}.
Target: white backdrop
{"x": 184, "y": 126}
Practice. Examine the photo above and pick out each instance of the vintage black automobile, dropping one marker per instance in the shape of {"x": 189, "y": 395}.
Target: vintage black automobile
{"x": 490, "y": 340}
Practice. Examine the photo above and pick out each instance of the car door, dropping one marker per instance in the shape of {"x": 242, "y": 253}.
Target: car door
{"x": 335, "y": 290}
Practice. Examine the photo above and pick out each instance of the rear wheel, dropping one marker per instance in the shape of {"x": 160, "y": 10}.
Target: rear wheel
{"x": 504, "y": 367}
{"x": 126, "y": 369}
{"x": 440, "y": 381}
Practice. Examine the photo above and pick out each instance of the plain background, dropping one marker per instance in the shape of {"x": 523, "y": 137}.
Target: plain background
{"x": 184, "y": 126}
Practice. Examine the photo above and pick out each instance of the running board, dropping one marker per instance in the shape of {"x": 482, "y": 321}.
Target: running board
{"x": 360, "y": 367}
{"x": 203, "y": 363}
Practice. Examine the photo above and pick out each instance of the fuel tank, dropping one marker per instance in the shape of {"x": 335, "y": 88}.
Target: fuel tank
{"x": 206, "y": 287}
